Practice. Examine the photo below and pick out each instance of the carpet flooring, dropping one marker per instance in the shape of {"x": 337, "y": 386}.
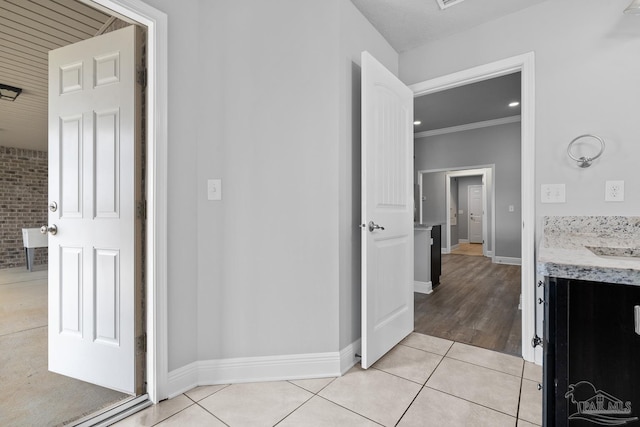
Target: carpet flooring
{"x": 31, "y": 395}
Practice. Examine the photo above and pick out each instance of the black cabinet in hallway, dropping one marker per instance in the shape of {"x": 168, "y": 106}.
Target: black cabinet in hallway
{"x": 436, "y": 255}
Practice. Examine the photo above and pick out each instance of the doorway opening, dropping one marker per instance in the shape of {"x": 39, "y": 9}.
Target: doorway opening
{"x": 522, "y": 66}
{"x": 154, "y": 282}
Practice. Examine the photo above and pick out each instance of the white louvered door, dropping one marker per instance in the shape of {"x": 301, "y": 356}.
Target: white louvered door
{"x": 387, "y": 202}
{"x": 93, "y": 178}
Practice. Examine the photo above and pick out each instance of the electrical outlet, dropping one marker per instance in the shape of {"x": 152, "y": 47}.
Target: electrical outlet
{"x": 552, "y": 193}
{"x": 614, "y": 191}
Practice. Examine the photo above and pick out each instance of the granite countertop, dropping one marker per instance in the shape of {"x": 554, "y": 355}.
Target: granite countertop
{"x": 564, "y": 249}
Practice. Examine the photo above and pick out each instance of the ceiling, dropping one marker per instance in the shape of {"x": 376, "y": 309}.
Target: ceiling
{"x": 28, "y": 30}
{"x": 476, "y": 102}
{"x": 410, "y": 23}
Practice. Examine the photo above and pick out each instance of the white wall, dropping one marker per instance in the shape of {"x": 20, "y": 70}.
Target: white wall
{"x": 586, "y": 81}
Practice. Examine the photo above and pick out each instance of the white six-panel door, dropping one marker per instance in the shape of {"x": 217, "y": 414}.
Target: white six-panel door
{"x": 387, "y": 204}
{"x": 93, "y": 175}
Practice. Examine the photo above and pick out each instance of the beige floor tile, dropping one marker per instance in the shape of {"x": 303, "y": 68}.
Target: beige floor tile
{"x": 530, "y": 402}
{"x": 192, "y": 416}
{"x": 374, "y": 394}
{"x": 427, "y": 343}
{"x": 313, "y": 385}
{"x": 255, "y": 404}
{"x": 532, "y": 372}
{"x": 522, "y": 423}
{"x": 157, "y": 413}
{"x": 487, "y": 358}
{"x": 319, "y": 412}
{"x": 410, "y": 363}
{"x": 477, "y": 384}
{"x": 199, "y": 393}
{"x": 434, "y": 408}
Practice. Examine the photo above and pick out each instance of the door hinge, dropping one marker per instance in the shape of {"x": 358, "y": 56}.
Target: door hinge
{"x": 142, "y": 77}
{"x": 141, "y": 211}
{"x": 141, "y": 343}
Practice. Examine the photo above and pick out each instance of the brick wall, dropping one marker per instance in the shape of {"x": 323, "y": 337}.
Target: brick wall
{"x": 23, "y": 202}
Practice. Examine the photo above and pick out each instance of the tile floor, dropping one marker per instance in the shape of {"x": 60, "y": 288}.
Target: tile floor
{"x": 423, "y": 381}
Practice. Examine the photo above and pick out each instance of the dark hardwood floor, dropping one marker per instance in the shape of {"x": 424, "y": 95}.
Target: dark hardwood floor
{"x": 476, "y": 303}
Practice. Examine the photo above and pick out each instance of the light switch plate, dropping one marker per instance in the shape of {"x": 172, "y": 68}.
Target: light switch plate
{"x": 552, "y": 193}
{"x": 214, "y": 189}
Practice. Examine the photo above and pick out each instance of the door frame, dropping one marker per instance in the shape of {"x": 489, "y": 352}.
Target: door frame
{"x": 487, "y": 180}
{"x": 156, "y": 181}
{"x": 487, "y": 173}
{"x": 525, "y": 64}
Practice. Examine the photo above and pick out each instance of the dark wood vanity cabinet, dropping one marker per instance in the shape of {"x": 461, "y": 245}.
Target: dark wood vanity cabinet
{"x": 591, "y": 370}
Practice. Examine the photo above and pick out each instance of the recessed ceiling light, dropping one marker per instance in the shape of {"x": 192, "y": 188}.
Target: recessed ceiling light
{"x": 417, "y": 122}
{"x": 514, "y": 104}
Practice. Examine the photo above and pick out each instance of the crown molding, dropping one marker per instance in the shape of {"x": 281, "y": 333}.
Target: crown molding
{"x": 469, "y": 126}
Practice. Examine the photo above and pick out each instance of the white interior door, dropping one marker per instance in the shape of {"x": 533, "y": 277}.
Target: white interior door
{"x": 93, "y": 178}
{"x": 387, "y": 210}
{"x": 475, "y": 213}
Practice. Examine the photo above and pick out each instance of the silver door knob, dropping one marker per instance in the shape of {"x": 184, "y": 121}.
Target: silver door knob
{"x": 374, "y": 226}
{"x": 53, "y": 229}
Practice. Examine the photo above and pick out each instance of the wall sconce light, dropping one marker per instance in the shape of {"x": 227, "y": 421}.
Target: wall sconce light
{"x": 634, "y": 8}
{"x": 9, "y": 93}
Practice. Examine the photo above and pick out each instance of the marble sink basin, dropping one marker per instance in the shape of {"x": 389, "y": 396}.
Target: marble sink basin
{"x": 619, "y": 253}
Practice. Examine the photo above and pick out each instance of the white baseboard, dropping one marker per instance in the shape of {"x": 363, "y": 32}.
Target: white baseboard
{"x": 454, "y": 247}
{"x": 444, "y": 251}
{"x": 258, "y": 369}
{"x": 463, "y": 240}
{"x": 422, "y": 287}
{"x": 490, "y": 254}
{"x": 507, "y": 260}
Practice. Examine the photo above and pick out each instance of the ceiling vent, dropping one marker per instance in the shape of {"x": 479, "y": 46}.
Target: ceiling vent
{"x": 448, "y": 3}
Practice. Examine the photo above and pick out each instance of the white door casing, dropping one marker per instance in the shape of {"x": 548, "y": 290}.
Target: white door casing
{"x": 387, "y": 201}
{"x": 475, "y": 207}
{"x": 94, "y": 179}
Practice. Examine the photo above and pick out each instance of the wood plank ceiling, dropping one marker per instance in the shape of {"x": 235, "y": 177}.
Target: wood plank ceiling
{"x": 29, "y": 29}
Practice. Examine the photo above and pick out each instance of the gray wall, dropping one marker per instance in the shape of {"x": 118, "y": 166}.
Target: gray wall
{"x": 264, "y": 92}
{"x": 463, "y": 204}
{"x": 356, "y": 34}
{"x": 586, "y": 72}
{"x": 499, "y": 145}
{"x": 434, "y": 210}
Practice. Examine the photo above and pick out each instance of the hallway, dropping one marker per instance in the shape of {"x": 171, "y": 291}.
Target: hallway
{"x": 476, "y": 303}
